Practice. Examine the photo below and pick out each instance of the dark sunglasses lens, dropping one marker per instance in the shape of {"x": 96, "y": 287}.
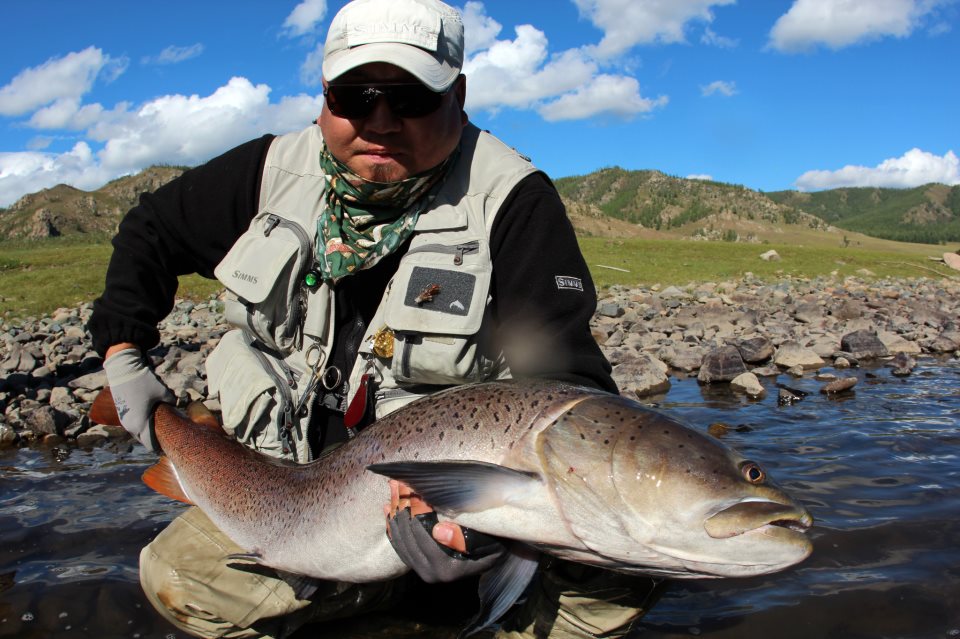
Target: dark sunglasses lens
{"x": 404, "y": 100}
{"x": 351, "y": 102}
{"x": 413, "y": 100}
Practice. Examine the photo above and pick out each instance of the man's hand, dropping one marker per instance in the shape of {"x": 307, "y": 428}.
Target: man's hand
{"x": 136, "y": 392}
{"x": 438, "y": 551}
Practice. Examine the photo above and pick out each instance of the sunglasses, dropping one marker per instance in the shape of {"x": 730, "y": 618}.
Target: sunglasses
{"x": 356, "y": 101}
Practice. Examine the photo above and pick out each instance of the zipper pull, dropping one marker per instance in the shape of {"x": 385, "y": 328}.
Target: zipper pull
{"x": 461, "y": 249}
{"x": 272, "y": 222}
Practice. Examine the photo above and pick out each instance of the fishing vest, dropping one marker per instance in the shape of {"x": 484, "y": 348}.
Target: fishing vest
{"x": 430, "y": 330}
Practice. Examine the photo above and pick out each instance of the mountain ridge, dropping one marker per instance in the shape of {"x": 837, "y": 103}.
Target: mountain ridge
{"x": 612, "y": 202}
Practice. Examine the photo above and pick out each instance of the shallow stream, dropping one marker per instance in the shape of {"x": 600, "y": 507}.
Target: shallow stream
{"x": 877, "y": 467}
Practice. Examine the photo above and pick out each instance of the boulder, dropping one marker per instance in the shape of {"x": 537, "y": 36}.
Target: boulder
{"x": 791, "y": 354}
{"x": 863, "y": 344}
{"x": 721, "y": 365}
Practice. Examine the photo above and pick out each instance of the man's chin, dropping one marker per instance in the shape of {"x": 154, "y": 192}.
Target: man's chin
{"x": 380, "y": 169}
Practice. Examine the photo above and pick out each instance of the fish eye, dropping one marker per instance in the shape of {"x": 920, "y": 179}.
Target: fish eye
{"x": 752, "y": 472}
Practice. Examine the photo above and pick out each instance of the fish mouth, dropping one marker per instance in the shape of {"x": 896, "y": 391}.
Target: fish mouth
{"x": 746, "y": 516}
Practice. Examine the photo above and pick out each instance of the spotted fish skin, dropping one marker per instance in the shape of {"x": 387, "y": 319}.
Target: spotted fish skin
{"x": 602, "y": 480}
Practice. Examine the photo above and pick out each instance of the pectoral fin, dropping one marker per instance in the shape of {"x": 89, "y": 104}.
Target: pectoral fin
{"x": 460, "y": 486}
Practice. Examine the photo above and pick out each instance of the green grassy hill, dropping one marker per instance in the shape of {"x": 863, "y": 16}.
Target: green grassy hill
{"x": 928, "y": 214}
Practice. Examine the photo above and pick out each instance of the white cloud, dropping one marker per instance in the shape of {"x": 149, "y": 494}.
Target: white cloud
{"x": 722, "y": 87}
{"x": 700, "y": 176}
{"x": 69, "y": 77}
{"x": 174, "y": 54}
{"x": 711, "y": 38}
{"x": 479, "y": 30}
{"x": 913, "y": 168}
{"x": 627, "y": 23}
{"x": 521, "y": 74}
{"x": 304, "y": 18}
{"x": 840, "y": 23}
{"x": 28, "y": 171}
{"x": 605, "y": 95}
{"x": 175, "y": 129}
{"x": 311, "y": 71}
{"x": 66, "y": 113}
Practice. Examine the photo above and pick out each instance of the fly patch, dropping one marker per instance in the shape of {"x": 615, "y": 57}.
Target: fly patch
{"x": 442, "y": 291}
{"x": 570, "y": 283}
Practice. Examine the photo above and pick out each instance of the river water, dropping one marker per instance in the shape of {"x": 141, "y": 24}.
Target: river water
{"x": 877, "y": 467}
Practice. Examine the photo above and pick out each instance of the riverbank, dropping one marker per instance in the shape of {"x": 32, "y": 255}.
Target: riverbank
{"x": 746, "y": 333}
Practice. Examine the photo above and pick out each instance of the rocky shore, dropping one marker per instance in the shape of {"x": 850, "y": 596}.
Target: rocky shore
{"x": 744, "y": 333}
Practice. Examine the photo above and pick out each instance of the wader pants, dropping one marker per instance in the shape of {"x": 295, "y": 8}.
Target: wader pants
{"x": 185, "y": 575}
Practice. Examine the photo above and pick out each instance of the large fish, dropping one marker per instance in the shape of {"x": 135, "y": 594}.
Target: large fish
{"x": 575, "y": 473}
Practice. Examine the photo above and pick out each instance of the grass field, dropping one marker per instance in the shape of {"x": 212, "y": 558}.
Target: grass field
{"x": 41, "y": 276}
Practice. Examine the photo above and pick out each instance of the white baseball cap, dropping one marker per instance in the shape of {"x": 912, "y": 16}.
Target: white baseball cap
{"x": 423, "y": 37}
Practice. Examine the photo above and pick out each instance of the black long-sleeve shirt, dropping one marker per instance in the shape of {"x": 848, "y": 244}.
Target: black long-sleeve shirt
{"x": 189, "y": 224}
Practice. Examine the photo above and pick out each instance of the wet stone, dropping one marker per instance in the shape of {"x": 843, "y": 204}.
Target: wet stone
{"x": 721, "y": 365}
{"x": 755, "y": 349}
{"x": 839, "y": 385}
{"x": 863, "y": 344}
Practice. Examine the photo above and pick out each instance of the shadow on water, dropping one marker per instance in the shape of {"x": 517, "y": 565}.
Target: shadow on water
{"x": 878, "y": 468}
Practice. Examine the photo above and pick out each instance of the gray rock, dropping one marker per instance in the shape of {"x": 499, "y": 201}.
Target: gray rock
{"x": 642, "y": 375}
{"x": 610, "y": 309}
{"x": 808, "y": 313}
{"x": 754, "y": 350}
{"x": 90, "y": 381}
{"x": 8, "y": 436}
{"x": 683, "y": 358}
{"x": 44, "y": 420}
{"x": 749, "y": 384}
{"x": 721, "y": 365}
{"x": 839, "y": 385}
{"x": 791, "y": 354}
{"x": 863, "y": 344}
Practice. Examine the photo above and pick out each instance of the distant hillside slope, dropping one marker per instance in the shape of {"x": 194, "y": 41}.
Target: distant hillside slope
{"x": 64, "y": 210}
{"x": 658, "y": 201}
{"x": 929, "y": 214}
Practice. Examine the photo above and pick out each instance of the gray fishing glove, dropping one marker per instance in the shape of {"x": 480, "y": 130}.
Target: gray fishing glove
{"x": 435, "y": 563}
{"x": 136, "y": 392}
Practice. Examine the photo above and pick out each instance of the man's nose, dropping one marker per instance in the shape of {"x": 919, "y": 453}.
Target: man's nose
{"x": 382, "y": 118}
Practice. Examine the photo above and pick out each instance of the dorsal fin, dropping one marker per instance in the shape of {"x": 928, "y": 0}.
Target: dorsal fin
{"x": 162, "y": 477}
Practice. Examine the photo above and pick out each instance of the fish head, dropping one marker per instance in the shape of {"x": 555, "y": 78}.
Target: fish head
{"x": 645, "y": 493}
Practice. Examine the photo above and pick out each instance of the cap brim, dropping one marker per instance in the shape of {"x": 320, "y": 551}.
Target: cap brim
{"x": 426, "y": 68}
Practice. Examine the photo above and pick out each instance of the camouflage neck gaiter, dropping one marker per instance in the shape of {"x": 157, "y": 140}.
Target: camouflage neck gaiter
{"x": 366, "y": 221}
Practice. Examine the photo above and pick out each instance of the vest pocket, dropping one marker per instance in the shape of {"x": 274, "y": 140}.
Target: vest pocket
{"x": 435, "y": 308}
{"x": 257, "y": 397}
{"x": 264, "y": 269}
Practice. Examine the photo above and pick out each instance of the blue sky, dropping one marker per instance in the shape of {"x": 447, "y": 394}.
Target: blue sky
{"x": 771, "y": 94}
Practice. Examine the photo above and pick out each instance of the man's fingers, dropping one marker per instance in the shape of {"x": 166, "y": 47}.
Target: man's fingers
{"x": 450, "y": 535}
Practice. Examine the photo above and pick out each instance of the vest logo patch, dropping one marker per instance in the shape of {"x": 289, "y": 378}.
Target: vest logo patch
{"x": 244, "y": 277}
{"x": 440, "y": 291}
{"x": 569, "y": 283}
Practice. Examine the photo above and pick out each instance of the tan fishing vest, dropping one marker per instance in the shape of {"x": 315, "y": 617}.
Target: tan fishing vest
{"x": 431, "y": 328}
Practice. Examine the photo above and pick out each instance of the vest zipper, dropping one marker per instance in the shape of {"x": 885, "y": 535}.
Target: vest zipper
{"x": 288, "y": 420}
{"x": 458, "y": 250}
{"x": 304, "y": 260}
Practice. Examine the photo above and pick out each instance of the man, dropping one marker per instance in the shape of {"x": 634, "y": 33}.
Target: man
{"x": 386, "y": 252}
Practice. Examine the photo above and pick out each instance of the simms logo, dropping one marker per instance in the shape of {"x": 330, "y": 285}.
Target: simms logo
{"x": 571, "y": 283}
{"x": 246, "y": 277}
